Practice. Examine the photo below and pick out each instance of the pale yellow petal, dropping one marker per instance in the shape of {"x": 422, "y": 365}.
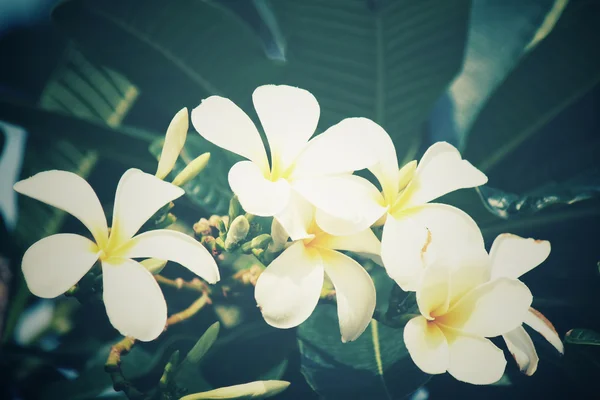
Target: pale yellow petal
{"x": 289, "y": 117}
{"x": 258, "y": 195}
{"x": 475, "y": 360}
{"x": 134, "y": 302}
{"x": 70, "y": 193}
{"x": 512, "y": 256}
{"x": 427, "y": 345}
{"x": 224, "y": 124}
{"x": 174, "y": 246}
{"x": 139, "y": 196}
{"x": 354, "y": 291}
{"x": 522, "y": 349}
{"x": 55, "y": 263}
{"x": 537, "y": 321}
{"x": 287, "y": 291}
{"x": 491, "y": 309}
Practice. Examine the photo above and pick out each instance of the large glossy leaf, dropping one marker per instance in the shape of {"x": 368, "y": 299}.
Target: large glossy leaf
{"x": 561, "y": 69}
{"x": 500, "y": 32}
{"x": 386, "y": 60}
{"x": 375, "y": 366}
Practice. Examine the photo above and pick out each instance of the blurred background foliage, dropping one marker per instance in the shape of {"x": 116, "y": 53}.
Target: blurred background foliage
{"x": 90, "y": 86}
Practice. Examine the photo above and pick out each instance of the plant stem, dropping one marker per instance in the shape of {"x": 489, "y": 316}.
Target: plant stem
{"x": 113, "y": 367}
{"x": 195, "y": 285}
{"x": 190, "y": 311}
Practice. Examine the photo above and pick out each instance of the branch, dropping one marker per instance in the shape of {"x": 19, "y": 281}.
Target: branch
{"x": 190, "y": 311}
{"x": 195, "y": 285}
{"x": 113, "y": 367}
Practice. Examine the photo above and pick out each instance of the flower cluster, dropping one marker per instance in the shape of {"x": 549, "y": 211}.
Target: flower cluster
{"x": 321, "y": 212}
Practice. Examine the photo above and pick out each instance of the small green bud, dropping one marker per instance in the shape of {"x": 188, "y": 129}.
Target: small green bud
{"x": 259, "y": 242}
{"x": 235, "y": 208}
{"x": 191, "y": 170}
{"x": 237, "y": 232}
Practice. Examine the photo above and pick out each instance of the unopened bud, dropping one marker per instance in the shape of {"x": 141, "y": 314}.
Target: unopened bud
{"x": 202, "y": 227}
{"x": 259, "y": 242}
{"x": 154, "y": 265}
{"x": 174, "y": 141}
{"x": 279, "y": 236}
{"x": 235, "y": 208}
{"x": 191, "y": 170}
{"x": 237, "y": 232}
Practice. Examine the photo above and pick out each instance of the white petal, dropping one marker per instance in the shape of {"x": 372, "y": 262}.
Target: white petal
{"x": 440, "y": 171}
{"x": 346, "y": 147}
{"x": 178, "y": 247}
{"x": 427, "y": 345}
{"x": 289, "y": 116}
{"x": 134, "y": 302}
{"x": 402, "y": 245}
{"x": 139, "y": 196}
{"x": 70, "y": 193}
{"x": 174, "y": 141}
{"x": 224, "y": 124}
{"x": 491, "y": 309}
{"x": 512, "y": 256}
{"x": 522, "y": 349}
{"x": 346, "y": 204}
{"x": 537, "y": 321}
{"x": 386, "y": 170}
{"x": 361, "y": 242}
{"x": 434, "y": 291}
{"x": 55, "y": 263}
{"x": 431, "y": 232}
{"x": 475, "y": 360}
{"x": 354, "y": 291}
{"x": 287, "y": 291}
{"x": 297, "y": 217}
{"x": 257, "y": 195}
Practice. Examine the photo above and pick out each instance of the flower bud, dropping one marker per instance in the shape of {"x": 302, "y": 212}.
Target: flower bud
{"x": 174, "y": 141}
{"x": 237, "y": 232}
{"x": 259, "y": 242}
{"x": 192, "y": 169}
{"x": 202, "y": 227}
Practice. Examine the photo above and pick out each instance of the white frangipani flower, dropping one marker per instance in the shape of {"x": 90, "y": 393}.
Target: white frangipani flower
{"x": 410, "y": 222}
{"x": 512, "y": 256}
{"x": 288, "y": 290}
{"x": 460, "y": 308}
{"x": 134, "y": 302}
{"x": 289, "y": 117}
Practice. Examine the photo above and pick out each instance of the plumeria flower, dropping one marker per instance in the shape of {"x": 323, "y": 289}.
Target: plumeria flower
{"x": 134, "y": 302}
{"x": 403, "y": 205}
{"x": 288, "y": 290}
{"x": 289, "y": 117}
{"x": 460, "y": 308}
{"x": 512, "y": 256}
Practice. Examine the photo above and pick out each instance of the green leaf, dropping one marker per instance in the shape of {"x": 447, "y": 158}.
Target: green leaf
{"x": 209, "y": 189}
{"x": 505, "y": 204}
{"x": 377, "y": 365}
{"x": 253, "y": 390}
{"x": 583, "y": 336}
{"x": 188, "y": 374}
{"x": 388, "y": 61}
{"x": 562, "y": 68}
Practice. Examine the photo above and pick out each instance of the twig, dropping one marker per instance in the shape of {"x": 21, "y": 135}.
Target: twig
{"x": 190, "y": 311}
{"x": 113, "y": 367}
{"x": 195, "y": 285}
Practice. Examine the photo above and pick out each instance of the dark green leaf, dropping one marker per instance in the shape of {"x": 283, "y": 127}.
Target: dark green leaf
{"x": 376, "y": 365}
{"x": 583, "y": 336}
{"x": 188, "y": 373}
{"x": 561, "y": 69}
{"x": 506, "y": 205}
{"x": 387, "y": 60}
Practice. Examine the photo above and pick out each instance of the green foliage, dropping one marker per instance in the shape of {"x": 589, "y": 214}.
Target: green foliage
{"x": 377, "y": 365}
{"x": 583, "y": 336}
